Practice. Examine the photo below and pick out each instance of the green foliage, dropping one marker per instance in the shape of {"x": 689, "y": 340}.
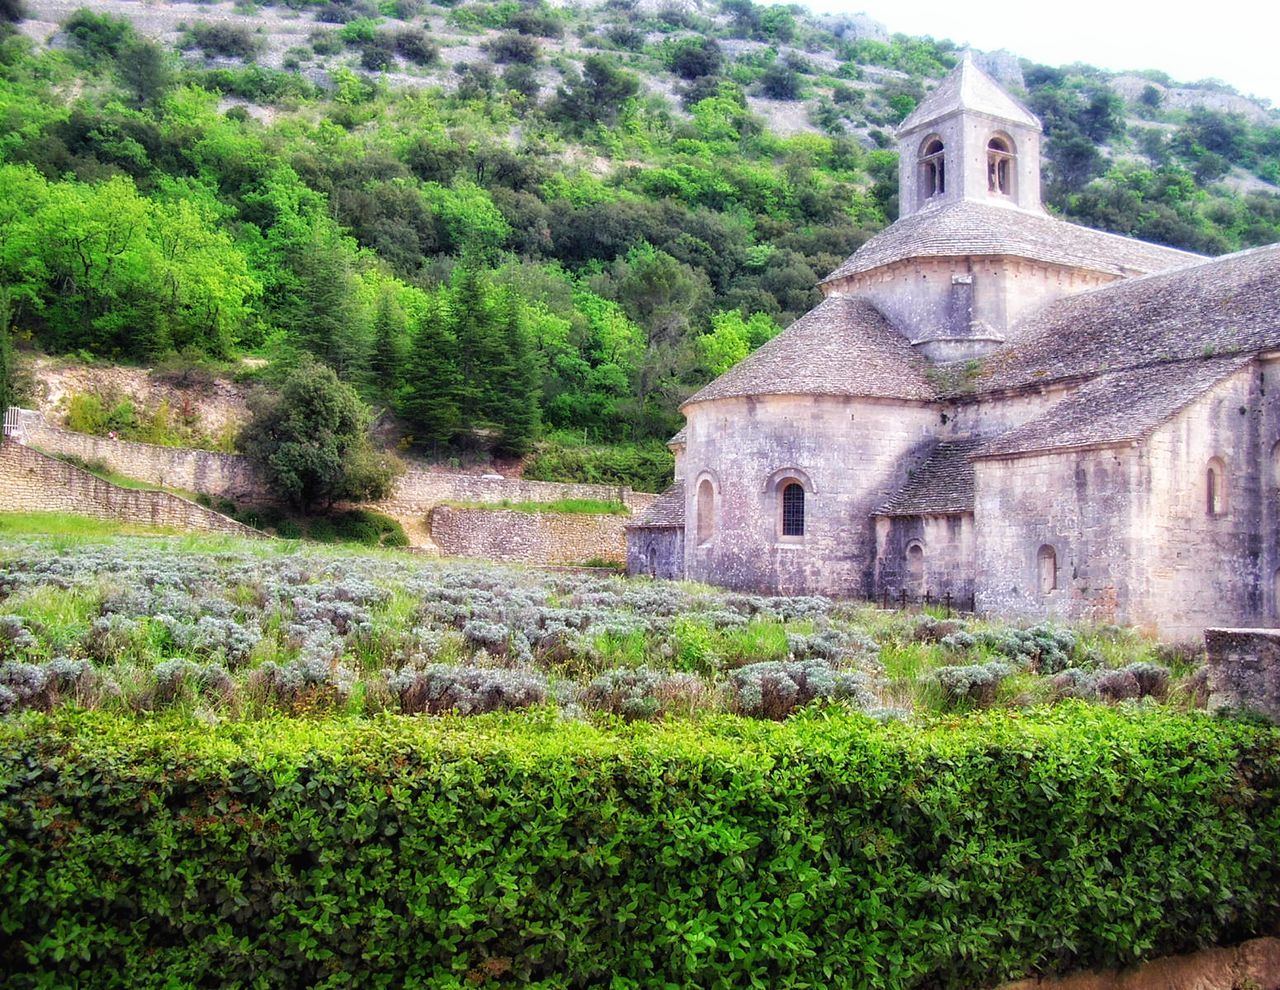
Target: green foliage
{"x": 369, "y": 528}
{"x": 6, "y": 351}
{"x": 824, "y": 851}
{"x": 98, "y": 37}
{"x": 562, "y": 506}
{"x": 597, "y": 95}
{"x": 310, "y": 438}
{"x": 646, "y": 467}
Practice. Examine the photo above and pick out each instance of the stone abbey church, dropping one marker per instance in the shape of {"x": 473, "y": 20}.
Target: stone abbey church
{"x": 989, "y": 401}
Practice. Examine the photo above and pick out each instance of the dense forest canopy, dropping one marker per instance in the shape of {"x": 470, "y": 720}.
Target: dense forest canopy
{"x": 567, "y": 232}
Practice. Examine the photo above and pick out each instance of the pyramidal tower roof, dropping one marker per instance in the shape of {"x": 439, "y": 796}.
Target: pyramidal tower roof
{"x": 969, "y": 89}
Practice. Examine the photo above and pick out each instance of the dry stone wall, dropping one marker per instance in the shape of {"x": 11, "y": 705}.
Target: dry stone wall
{"x": 34, "y": 482}
{"x": 231, "y": 476}
{"x": 528, "y": 537}
{"x": 204, "y": 471}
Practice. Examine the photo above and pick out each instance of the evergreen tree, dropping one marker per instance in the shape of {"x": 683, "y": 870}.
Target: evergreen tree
{"x": 517, "y": 390}
{"x": 6, "y": 354}
{"x": 483, "y": 359}
{"x": 429, "y": 396}
{"x": 386, "y": 364}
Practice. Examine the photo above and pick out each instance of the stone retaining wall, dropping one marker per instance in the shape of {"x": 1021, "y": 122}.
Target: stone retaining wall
{"x": 34, "y": 482}
{"x": 232, "y": 476}
{"x": 1244, "y": 670}
{"x": 204, "y": 471}
{"x": 528, "y": 537}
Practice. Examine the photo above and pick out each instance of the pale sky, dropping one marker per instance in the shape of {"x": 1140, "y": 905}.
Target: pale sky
{"x": 1237, "y": 41}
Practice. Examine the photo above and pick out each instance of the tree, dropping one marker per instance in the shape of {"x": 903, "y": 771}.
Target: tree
{"x": 144, "y": 69}
{"x": 310, "y": 438}
{"x": 12, "y": 11}
{"x": 780, "y": 82}
{"x": 695, "y": 58}
{"x": 598, "y": 95}
{"x": 386, "y": 364}
{"x": 428, "y": 399}
{"x": 6, "y": 352}
{"x": 517, "y": 389}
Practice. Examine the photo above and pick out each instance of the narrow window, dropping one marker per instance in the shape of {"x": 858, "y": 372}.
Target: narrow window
{"x": 706, "y": 512}
{"x": 1275, "y": 464}
{"x": 915, "y": 561}
{"x": 933, "y": 174}
{"x": 1047, "y": 562}
{"x": 1216, "y": 488}
{"x": 1275, "y": 594}
{"x": 1000, "y": 166}
{"x": 793, "y": 510}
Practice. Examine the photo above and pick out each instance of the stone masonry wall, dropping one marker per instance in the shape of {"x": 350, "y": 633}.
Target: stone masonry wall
{"x": 528, "y": 537}
{"x": 947, "y": 549}
{"x": 224, "y": 475}
{"x": 1244, "y": 670}
{"x": 416, "y": 493}
{"x": 1080, "y": 503}
{"x": 657, "y": 553}
{"x": 34, "y": 482}
{"x": 849, "y": 455}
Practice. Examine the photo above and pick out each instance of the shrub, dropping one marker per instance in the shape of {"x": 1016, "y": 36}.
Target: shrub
{"x": 517, "y": 48}
{"x": 226, "y": 40}
{"x": 1132, "y": 682}
{"x": 549, "y": 851}
{"x": 974, "y": 683}
{"x": 644, "y": 693}
{"x": 413, "y": 45}
{"x": 774, "y": 689}
{"x": 440, "y": 689}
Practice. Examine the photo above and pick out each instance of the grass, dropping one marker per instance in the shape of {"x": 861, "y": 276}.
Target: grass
{"x": 563, "y": 506}
{"x": 99, "y": 469}
{"x": 62, "y": 524}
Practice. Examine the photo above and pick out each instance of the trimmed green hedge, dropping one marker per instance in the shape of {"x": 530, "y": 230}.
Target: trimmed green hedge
{"x": 828, "y": 851}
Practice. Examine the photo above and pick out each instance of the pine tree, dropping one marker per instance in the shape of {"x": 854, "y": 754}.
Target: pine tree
{"x": 429, "y": 395}
{"x": 6, "y": 355}
{"x": 518, "y": 388}
{"x": 386, "y": 364}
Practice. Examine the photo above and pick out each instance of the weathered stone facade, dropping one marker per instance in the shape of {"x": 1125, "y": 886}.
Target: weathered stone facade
{"x": 528, "y": 537}
{"x": 34, "y": 482}
{"x": 992, "y": 402}
{"x": 1244, "y": 670}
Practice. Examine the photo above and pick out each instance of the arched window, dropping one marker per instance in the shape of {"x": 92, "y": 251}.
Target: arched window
{"x": 915, "y": 560}
{"x": 1047, "y": 567}
{"x": 1275, "y": 465}
{"x": 1275, "y": 594}
{"x": 706, "y": 511}
{"x": 792, "y": 509}
{"x": 933, "y": 173}
{"x": 1215, "y": 487}
{"x": 1000, "y": 166}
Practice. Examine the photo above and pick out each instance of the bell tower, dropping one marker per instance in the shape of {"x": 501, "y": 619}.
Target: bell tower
{"x": 969, "y": 140}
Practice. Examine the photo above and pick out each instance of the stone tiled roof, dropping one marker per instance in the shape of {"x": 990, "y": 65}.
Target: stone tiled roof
{"x": 968, "y": 88}
{"x": 1228, "y": 305}
{"x": 666, "y": 513}
{"x": 681, "y": 436}
{"x": 1120, "y": 407}
{"x": 842, "y": 346}
{"x": 963, "y": 228}
{"x": 942, "y": 485}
